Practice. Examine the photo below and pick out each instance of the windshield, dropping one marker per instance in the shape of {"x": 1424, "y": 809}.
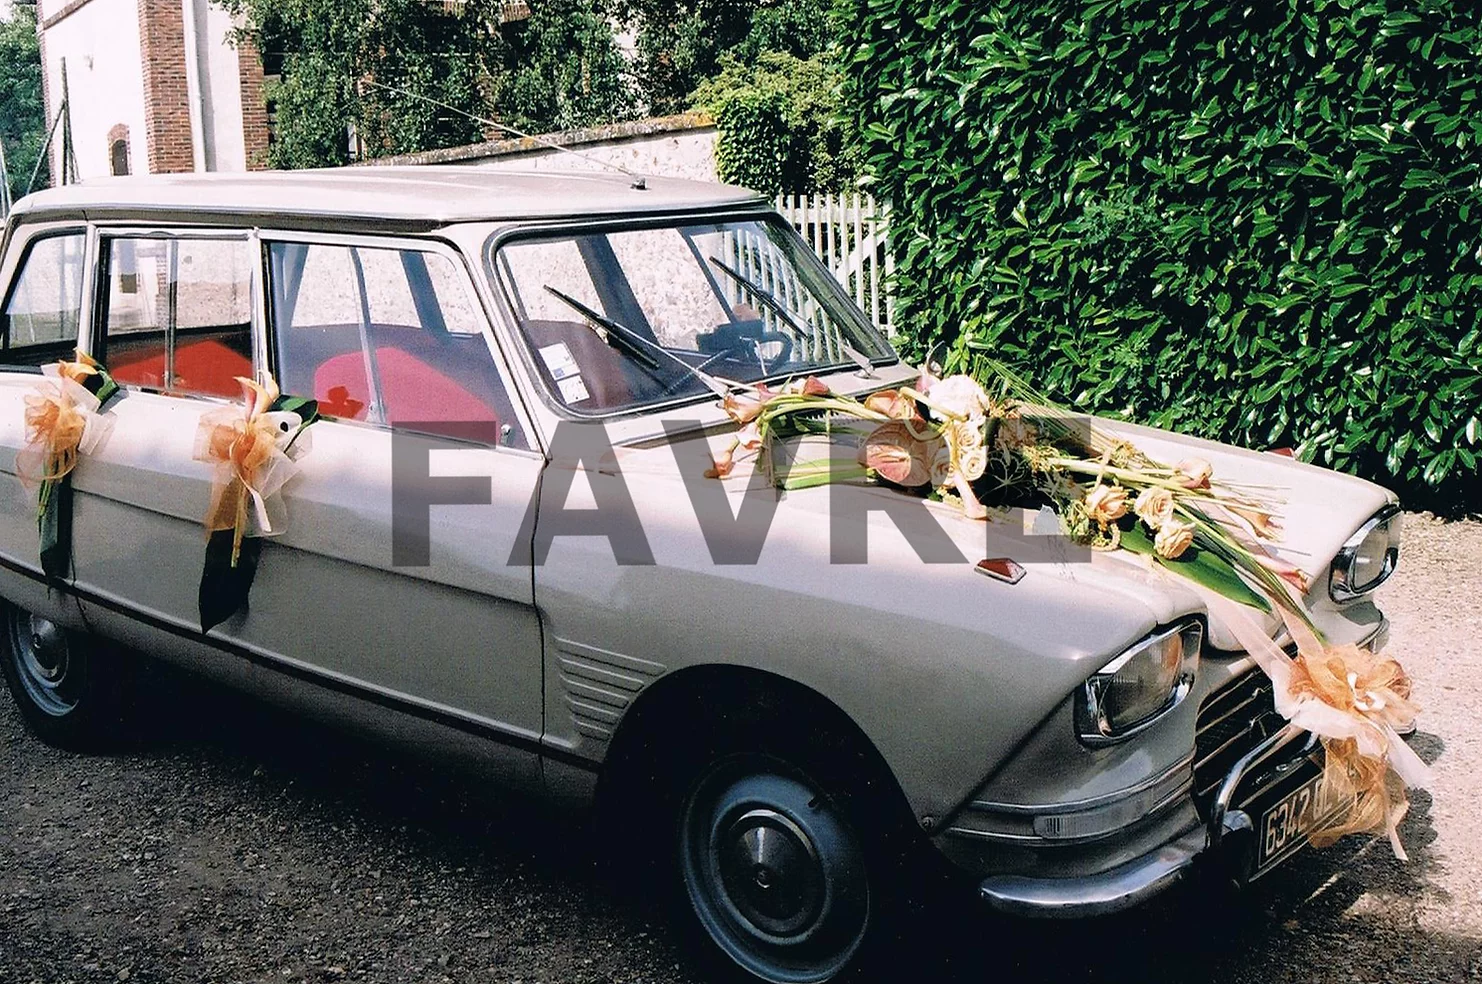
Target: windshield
{"x": 624, "y": 318}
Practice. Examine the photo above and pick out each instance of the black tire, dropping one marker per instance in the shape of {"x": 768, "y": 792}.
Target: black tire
{"x": 821, "y": 892}
{"x": 68, "y": 686}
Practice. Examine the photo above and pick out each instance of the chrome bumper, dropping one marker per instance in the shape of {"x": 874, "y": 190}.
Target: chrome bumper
{"x": 1142, "y": 878}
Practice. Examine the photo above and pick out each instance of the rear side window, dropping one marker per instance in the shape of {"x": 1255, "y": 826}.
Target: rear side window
{"x": 388, "y": 336}
{"x": 177, "y": 314}
{"x": 43, "y": 309}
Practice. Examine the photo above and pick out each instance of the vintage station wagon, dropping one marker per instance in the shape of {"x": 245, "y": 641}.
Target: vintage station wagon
{"x": 779, "y": 725}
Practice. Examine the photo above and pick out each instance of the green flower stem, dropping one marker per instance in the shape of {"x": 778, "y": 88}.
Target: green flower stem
{"x": 822, "y": 471}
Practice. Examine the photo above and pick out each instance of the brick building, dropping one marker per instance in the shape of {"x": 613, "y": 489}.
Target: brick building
{"x": 155, "y": 86}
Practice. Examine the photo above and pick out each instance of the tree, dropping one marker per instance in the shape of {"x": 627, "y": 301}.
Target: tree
{"x": 384, "y": 67}
{"x": 22, "y": 108}
{"x": 681, "y": 42}
{"x": 374, "y": 65}
{"x": 561, "y": 69}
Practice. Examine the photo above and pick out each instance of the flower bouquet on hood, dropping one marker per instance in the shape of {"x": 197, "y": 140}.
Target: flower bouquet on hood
{"x": 981, "y": 448}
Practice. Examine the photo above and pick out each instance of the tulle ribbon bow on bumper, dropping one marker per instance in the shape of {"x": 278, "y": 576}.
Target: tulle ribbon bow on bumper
{"x": 62, "y": 422}
{"x": 253, "y": 449}
{"x": 1357, "y": 702}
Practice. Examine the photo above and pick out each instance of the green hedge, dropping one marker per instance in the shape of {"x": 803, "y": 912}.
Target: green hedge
{"x": 1255, "y": 222}
{"x": 779, "y": 126}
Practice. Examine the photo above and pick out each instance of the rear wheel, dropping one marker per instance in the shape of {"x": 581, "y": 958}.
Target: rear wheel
{"x": 67, "y": 690}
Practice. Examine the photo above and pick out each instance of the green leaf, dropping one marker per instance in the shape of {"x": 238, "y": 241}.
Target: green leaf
{"x": 1204, "y": 567}
{"x": 54, "y": 525}
{"x": 224, "y": 587}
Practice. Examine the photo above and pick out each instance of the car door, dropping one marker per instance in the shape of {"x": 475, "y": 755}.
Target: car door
{"x": 42, "y": 281}
{"x": 375, "y": 582}
{"x": 448, "y": 633}
{"x": 172, "y": 317}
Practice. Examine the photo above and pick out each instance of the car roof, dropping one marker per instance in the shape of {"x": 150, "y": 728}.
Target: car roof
{"x": 426, "y": 195}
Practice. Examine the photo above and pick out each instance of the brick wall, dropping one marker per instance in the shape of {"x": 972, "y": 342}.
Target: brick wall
{"x": 166, "y": 97}
{"x": 254, "y": 106}
{"x": 119, "y": 132}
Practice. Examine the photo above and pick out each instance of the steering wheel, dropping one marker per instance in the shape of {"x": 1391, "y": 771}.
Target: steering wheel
{"x": 746, "y": 346}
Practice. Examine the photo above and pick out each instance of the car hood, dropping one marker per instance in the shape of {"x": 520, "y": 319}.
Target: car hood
{"x": 1322, "y": 510}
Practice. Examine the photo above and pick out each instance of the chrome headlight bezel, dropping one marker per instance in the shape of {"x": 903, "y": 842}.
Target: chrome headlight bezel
{"x": 1344, "y": 583}
{"x": 1095, "y": 710}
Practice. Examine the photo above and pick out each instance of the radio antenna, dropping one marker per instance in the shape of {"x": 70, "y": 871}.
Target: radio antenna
{"x": 639, "y": 184}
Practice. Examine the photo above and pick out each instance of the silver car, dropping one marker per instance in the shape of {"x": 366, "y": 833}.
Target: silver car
{"x": 502, "y": 544}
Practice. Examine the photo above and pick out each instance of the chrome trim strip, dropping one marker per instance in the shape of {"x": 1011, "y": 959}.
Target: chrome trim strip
{"x": 1096, "y": 895}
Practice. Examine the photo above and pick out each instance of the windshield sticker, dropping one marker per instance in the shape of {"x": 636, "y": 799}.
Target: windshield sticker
{"x": 559, "y": 361}
{"x": 573, "y": 390}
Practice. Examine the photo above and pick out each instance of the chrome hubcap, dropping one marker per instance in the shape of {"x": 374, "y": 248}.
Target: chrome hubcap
{"x": 43, "y": 661}
{"x": 771, "y": 872}
{"x": 775, "y": 876}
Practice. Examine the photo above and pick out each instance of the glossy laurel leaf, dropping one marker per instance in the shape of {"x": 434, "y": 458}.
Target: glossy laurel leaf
{"x": 1265, "y": 246}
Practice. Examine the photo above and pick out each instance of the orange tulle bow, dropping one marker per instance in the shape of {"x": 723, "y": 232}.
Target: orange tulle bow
{"x": 1373, "y": 692}
{"x": 1357, "y": 702}
{"x": 249, "y": 446}
{"x": 62, "y": 422}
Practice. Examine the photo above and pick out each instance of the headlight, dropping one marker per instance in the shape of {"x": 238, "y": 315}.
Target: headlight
{"x": 1368, "y": 558}
{"x": 1140, "y": 685}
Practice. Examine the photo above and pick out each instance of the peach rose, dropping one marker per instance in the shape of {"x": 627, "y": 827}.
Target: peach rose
{"x": 972, "y": 462}
{"x": 941, "y": 467}
{"x": 891, "y": 403}
{"x": 1154, "y": 506}
{"x": 1173, "y": 539}
{"x": 1106, "y": 504}
{"x": 1193, "y": 473}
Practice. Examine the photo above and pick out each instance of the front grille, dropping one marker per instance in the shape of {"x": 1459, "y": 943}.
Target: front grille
{"x": 1231, "y": 722}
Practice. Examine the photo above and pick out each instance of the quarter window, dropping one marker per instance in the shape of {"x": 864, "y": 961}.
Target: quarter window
{"x": 178, "y": 314}
{"x": 42, "y": 312}
{"x": 389, "y": 336}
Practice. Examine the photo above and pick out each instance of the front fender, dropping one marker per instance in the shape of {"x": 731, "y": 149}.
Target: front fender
{"x": 946, "y": 671}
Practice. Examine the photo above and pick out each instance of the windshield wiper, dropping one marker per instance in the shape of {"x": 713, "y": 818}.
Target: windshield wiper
{"x": 768, "y": 299}
{"x": 621, "y": 336}
{"x": 614, "y": 334}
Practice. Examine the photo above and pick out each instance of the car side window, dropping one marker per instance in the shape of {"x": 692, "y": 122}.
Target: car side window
{"x": 388, "y": 336}
{"x": 42, "y": 312}
{"x": 177, "y": 314}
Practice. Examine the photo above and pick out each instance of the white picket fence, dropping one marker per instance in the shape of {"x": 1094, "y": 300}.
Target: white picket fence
{"x": 848, "y": 232}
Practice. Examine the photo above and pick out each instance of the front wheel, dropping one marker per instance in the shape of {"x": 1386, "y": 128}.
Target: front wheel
{"x": 776, "y": 874}
{"x": 67, "y": 690}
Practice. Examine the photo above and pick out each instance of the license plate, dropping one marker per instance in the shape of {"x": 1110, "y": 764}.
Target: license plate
{"x": 1283, "y": 828}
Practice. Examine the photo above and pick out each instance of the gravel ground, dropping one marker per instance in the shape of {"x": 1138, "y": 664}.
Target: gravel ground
{"x": 231, "y": 843}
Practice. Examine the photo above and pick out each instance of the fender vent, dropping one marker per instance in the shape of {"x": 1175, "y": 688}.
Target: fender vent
{"x": 599, "y": 685}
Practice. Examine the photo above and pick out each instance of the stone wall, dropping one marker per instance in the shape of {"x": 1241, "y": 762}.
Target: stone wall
{"x": 681, "y": 146}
